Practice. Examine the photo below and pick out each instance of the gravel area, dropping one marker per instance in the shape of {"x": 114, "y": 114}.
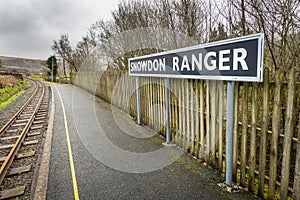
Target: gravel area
{"x": 7, "y": 112}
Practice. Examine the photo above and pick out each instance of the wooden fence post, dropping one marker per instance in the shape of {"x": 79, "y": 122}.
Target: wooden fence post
{"x": 296, "y": 188}
{"x": 188, "y": 122}
{"x": 252, "y": 157}
{"x": 201, "y": 110}
{"x": 275, "y": 134}
{"x": 207, "y": 117}
{"x": 213, "y": 122}
{"x": 263, "y": 138}
{"x": 160, "y": 108}
{"x": 183, "y": 113}
{"x": 163, "y": 107}
{"x": 288, "y": 134}
{"x": 220, "y": 123}
{"x": 180, "y": 114}
{"x": 197, "y": 119}
{"x": 192, "y": 139}
{"x": 235, "y": 132}
{"x": 244, "y": 133}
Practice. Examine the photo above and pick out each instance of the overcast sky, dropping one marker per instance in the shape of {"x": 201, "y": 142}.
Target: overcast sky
{"x": 28, "y": 27}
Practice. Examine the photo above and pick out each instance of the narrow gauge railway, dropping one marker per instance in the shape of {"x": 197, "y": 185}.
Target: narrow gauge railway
{"x": 20, "y": 142}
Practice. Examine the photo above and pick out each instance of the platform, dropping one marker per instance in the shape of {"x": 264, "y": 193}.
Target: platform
{"x": 110, "y": 157}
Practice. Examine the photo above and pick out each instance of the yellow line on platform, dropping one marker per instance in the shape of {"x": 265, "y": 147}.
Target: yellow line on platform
{"x": 75, "y": 188}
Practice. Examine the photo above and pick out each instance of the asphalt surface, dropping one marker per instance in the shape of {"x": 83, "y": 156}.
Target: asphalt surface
{"x": 116, "y": 159}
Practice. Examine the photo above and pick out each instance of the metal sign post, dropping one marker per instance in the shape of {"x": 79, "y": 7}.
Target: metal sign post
{"x": 168, "y": 134}
{"x": 229, "y": 132}
{"x": 138, "y": 104}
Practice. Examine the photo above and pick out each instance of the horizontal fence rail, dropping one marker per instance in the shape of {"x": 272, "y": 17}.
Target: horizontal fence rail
{"x": 266, "y": 147}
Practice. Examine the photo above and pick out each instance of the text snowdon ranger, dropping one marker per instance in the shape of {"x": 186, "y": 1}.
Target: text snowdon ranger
{"x": 197, "y": 62}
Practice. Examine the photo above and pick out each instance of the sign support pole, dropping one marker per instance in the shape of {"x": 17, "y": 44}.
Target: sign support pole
{"x": 138, "y": 103}
{"x": 168, "y": 134}
{"x": 229, "y": 132}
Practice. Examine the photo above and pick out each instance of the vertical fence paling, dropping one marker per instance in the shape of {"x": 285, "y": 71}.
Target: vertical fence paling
{"x": 296, "y": 192}
{"x": 220, "y": 91}
{"x": 252, "y": 157}
{"x": 159, "y": 108}
{"x": 263, "y": 138}
{"x": 183, "y": 96}
{"x": 188, "y": 117}
{"x": 180, "y": 113}
{"x": 177, "y": 108}
{"x": 172, "y": 109}
{"x": 244, "y": 133}
{"x": 162, "y": 103}
{"x": 197, "y": 123}
{"x": 151, "y": 102}
{"x": 235, "y": 132}
{"x": 207, "y": 118}
{"x": 275, "y": 134}
{"x": 286, "y": 160}
{"x": 192, "y": 139}
{"x": 201, "y": 110}
{"x": 197, "y": 120}
{"x": 213, "y": 93}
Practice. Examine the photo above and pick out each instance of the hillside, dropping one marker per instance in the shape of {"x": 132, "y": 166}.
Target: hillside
{"x": 22, "y": 65}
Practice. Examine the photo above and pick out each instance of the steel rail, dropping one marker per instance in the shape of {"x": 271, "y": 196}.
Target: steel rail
{"x": 18, "y": 112}
{"x": 12, "y": 154}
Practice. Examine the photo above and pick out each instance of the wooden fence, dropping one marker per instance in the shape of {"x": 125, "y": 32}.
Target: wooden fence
{"x": 266, "y": 144}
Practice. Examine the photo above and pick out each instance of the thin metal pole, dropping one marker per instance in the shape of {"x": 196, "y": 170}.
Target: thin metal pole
{"x": 52, "y": 68}
{"x": 138, "y": 103}
{"x": 229, "y": 132}
{"x": 168, "y": 134}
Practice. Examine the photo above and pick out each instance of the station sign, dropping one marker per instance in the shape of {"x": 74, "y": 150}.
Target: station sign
{"x": 235, "y": 59}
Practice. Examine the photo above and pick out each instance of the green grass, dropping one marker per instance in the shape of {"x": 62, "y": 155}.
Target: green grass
{"x": 9, "y": 93}
{"x": 11, "y": 99}
{"x": 53, "y": 83}
{"x": 38, "y": 77}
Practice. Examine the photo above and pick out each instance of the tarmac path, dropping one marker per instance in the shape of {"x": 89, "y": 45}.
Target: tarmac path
{"x": 98, "y": 152}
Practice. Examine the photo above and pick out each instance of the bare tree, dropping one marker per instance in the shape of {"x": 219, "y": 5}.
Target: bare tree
{"x": 63, "y": 48}
{"x": 198, "y": 19}
{"x": 191, "y": 15}
{"x": 279, "y": 20}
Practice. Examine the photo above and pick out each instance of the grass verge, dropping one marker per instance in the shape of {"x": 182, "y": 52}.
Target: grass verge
{"x": 11, "y": 99}
{"x": 9, "y": 93}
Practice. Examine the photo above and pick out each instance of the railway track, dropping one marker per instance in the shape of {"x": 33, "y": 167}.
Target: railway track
{"x": 20, "y": 141}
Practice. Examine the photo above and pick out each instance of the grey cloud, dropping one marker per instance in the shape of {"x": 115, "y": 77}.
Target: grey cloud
{"x": 37, "y": 15}
{"x": 28, "y": 27}
{"x": 16, "y": 21}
